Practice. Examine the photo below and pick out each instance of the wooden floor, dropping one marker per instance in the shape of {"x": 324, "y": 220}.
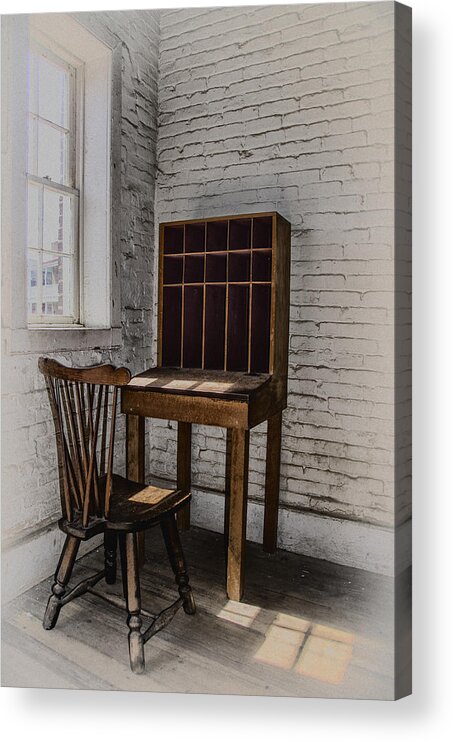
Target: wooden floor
{"x": 305, "y": 628}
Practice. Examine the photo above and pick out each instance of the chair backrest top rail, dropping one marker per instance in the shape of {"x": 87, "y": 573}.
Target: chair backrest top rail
{"x": 98, "y": 374}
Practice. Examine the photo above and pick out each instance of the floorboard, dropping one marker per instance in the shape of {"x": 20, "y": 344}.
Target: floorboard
{"x": 305, "y": 628}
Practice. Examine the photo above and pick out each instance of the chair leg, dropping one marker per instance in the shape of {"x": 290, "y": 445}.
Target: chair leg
{"x": 183, "y": 474}
{"x": 177, "y": 561}
{"x": 110, "y": 547}
{"x": 122, "y": 549}
{"x": 62, "y": 577}
{"x": 134, "y": 621}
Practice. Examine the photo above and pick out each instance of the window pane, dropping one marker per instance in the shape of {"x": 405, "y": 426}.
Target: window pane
{"x": 53, "y": 94}
{"x": 57, "y": 222}
{"x": 33, "y": 83}
{"x": 57, "y": 279}
{"x": 33, "y": 288}
{"x": 32, "y": 167}
{"x": 52, "y": 154}
{"x": 33, "y": 229}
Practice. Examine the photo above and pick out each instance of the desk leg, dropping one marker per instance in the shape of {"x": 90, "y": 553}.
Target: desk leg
{"x": 135, "y": 464}
{"x": 238, "y": 513}
{"x": 272, "y": 486}
{"x": 184, "y": 474}
{"x": 226, "y": 517}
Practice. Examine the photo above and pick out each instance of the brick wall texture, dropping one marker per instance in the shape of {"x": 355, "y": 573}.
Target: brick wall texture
{"x": 292, "y": 108}
{"x": 287, "y": 108}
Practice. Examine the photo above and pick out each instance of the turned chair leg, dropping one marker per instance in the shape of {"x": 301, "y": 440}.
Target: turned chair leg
{"x": 62, "y": 577}
{"x": 110, "y": 547}
{"x": 134, "y": 621}
{"x": 122, "y": 550}
{"x": 184, "y": 473}
{"x": 177, "y": 561}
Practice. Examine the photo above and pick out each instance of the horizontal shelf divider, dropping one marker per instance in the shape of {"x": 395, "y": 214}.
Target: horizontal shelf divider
{"x": 219, "y": 283}
{"x": 217, "y": 252}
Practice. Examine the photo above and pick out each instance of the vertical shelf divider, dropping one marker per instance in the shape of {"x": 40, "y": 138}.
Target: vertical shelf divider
{"x": 249, "y": 349}
{"x": 225, "y": 363}
{"x": 203, "y": 327}
{"x": 183, "y": 295}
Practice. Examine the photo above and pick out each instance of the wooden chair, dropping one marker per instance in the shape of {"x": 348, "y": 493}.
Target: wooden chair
{"x": 94, "y": 500}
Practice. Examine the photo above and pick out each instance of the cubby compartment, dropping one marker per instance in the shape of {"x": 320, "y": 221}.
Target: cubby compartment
{"x": 239, "y": 266}
{"x": 194, "y": 269}
{"x": 193, "y": 327}
{"x": 262, "y": 265}
{"x": 173, "y": 265}
{"x": 173, "y": 239}
{"x": 260, "y": 328}
{"x": 214, "y": 329}
{"x": 238, "y": 326}
{"x": 240, "y": 234}
{"x": 171, "y": 325}
{"x": 216, "y": 236}
{"x": 195, "y": 237}
{"x": 262, "y": 231}
{"x": 216, "y": 268}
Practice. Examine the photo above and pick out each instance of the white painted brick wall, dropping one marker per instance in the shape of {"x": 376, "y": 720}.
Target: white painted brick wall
{"x": 291, "y": 108}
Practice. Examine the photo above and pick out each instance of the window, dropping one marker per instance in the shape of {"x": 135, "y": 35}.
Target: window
{"x": 53, "y": 193}
{"x": 61, "y": 174}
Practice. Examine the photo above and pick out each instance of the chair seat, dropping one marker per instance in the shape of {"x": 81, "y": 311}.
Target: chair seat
{"x": 133, "y": 507}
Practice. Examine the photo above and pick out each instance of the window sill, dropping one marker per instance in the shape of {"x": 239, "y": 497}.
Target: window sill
{"x": 62, "y": 326}
{"x": 45, "y": 339}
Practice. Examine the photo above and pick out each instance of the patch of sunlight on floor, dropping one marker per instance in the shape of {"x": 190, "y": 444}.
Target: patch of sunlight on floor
{"x": 324, "y": 659}
{"x": 309, "y": 649}
{"x": 241, "y": 614}
{"x": 280, "y": 647}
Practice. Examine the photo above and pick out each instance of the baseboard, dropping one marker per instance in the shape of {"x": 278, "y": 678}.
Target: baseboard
{"x": 355, "y": 544}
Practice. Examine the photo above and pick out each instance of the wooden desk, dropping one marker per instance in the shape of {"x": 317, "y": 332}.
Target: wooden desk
{"x": 233, "y": 400}
{"x": 223, "y": 318}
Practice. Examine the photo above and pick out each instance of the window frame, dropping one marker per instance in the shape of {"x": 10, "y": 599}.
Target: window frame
{"x": 102, "y": 54}
{"x": 50, "y": 49}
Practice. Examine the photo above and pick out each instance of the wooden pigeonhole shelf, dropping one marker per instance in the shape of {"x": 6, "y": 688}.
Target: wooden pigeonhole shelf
{"x": 219, "y": 280}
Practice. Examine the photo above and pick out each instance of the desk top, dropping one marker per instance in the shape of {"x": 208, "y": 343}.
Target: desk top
{"x": 233, "y": 385}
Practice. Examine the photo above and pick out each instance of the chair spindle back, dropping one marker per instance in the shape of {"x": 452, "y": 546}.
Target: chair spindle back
{"x": 81, "y": 399}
